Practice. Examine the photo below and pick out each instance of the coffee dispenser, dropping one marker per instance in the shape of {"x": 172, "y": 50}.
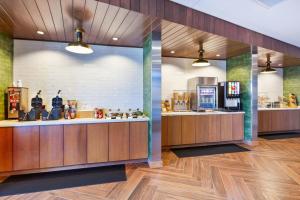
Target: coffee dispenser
{"x": 229, "y": 95}
{"x": 17, "y": 100}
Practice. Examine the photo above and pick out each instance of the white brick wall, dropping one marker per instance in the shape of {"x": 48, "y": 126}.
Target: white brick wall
{"x": 177, "y": 71}
{"x": 111, "y": 77}
{"x": 271, "y": 85}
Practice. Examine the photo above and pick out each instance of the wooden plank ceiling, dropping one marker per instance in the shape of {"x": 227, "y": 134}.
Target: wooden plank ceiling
{"x": 58, "y": 19}
{"x": 184, "y": 41}
{"x": 101, "y": 21}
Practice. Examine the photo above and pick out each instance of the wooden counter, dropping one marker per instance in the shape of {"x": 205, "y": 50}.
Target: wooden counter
{"x": 26, "y": 149}
{"x": 278, "y": 120}
{"x": 183, "y": 129}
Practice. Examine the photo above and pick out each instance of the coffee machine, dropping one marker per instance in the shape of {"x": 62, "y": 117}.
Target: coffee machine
{"x": 229, "y": 95}
{"x": 36, "y": 109}
{"x": 55, "y": 113}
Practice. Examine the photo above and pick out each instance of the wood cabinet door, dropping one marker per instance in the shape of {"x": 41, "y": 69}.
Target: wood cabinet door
{"x": 164, "y": 131}
{"x": 238, "y": 126}
{"x": 280, "y": 120}
{"x": 97, "y": 143}
{"x": 6, "y": 149}
{"x": 226, "y": 127}
{"x": 138, "y": 140}
{"x": 188, "y": 134}
{"x": 294, "y": 120}
{"x": 118, "y": 141}
{"x": 75, "y": 149}
{"x": 174, "y": 130}
{"x": 208, "y": 128}
{"x": 51, "y": 146}
{"x": 264, "y": 121}
{"x": 26, "y": 148}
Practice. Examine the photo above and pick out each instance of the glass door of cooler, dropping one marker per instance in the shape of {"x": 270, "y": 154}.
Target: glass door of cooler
{"x": 207, "y": 97}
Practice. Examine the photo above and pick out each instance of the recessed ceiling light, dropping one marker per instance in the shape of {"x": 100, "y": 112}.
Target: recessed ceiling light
{"x": 40, "y": 32}
{"x": 280, "y": 65}
{"x": 218, "y": 55}
{"x": 115, "y": 39}
{"x": 172, "y": 52}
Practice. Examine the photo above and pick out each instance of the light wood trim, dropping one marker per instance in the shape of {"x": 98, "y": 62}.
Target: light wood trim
{"x": 51, "y": 146}
{"x": 138, "y": 140}
{"x": 26, "y": 148}
{"x": 118, "y": 141}
{"x": 6, "y": 149}
{"x": 188, "y": 135}
{"x": 174, "y": 130}
{"x": 75, "y": 144}
{"x": 97, "y": 143}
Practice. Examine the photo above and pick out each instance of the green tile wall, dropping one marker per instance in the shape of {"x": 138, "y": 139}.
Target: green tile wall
{"x": 291, "y": 81}
{"x": 6, "y": 57}
{"x": 239, "y": 69}
{"x": 147, "y": 83}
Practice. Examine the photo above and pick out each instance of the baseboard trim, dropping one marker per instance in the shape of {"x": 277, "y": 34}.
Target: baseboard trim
{"x": 155, "y": 164}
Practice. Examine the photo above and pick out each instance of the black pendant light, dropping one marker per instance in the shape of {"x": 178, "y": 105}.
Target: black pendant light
{"x": 200, "y": 62}
{"x": 268, "y": 69}
{"x": 79, "y": 46}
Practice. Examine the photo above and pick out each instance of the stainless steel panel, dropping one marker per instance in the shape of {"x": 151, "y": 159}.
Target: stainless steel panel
{"x": 254, "y": 91}
{"x": 156, "y": 96}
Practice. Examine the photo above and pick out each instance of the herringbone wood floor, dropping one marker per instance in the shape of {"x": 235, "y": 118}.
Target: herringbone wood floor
{"x": 270, "y": 171}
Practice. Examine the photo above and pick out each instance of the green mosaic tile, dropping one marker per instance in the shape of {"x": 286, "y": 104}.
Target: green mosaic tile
{"x": 291, "y": 81}
{"x": 6, "y": 68}
{"x": 239, "y": 69}
{"x": 147, "y": 84}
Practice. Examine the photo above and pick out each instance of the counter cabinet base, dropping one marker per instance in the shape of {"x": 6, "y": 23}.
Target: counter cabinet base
{"x": 278, "y": 132}
{"x": 64, "y": 168}
{"x": 44, "y": 148}
{"x": 202, "y": 144}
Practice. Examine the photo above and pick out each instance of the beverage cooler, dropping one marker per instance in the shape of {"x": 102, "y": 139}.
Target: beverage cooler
{"x": 204, "y": 93}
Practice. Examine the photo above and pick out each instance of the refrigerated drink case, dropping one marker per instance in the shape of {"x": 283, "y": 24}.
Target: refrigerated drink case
{"x": 204, "y": 92}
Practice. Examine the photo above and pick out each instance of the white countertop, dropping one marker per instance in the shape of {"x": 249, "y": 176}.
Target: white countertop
{"x": 15, "y": 123}
{"x": 199, "y": 113}
{"x": 263, "y": 109}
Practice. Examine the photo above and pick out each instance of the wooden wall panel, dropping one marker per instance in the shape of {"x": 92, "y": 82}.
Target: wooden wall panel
{"x": 138, "y": 140}
{"x": 97, "y": 143}
{"x": 26, "y": 148}
{"x": 118, "y": 141}
{"x": 188, "y": 135}
{"x": 177, "y": 13}
{"x": 6, "y": 149}
{"x": 75, "y": 144}
{"x": 51, "y": 146}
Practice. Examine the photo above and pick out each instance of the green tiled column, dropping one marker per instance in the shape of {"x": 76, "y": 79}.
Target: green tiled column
{"x": 291, "y": 81}
{"x": 239, "y": 68}
{"x": 6, "y": 68}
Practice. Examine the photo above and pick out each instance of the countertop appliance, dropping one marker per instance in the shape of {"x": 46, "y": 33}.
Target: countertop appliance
{"x": 17, "y": 100}
{"x": 204, "y": 93}
{"x": 229, "y": 95}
